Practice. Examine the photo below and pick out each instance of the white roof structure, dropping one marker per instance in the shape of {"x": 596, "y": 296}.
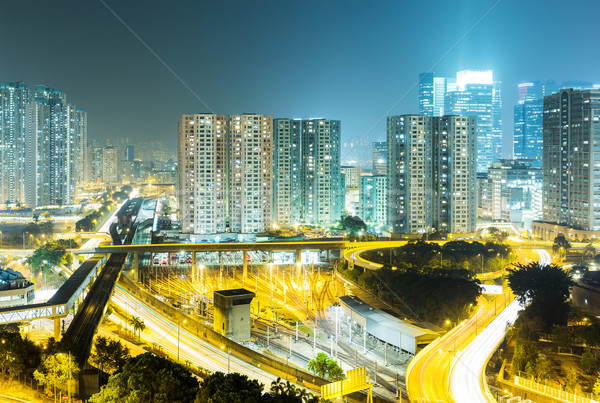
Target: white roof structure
{"x": 386, "y": 327}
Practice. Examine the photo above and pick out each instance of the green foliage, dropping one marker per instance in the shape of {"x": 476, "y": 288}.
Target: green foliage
{"x": 55, "y": 370}
{"x": 545, "y": 288}
{"x": 51, "y": 253}
{"x": 562, "y": 336}
{"x": 571, "y": 380}
{"x": 109, "y": 355}
{"x": 353, "y": 225}
{"x": 127, "y": 189}
{"x": 589, "y": 361}
{"x": 138, "y": 324}
{"x": 525, "y": 352}
{"x": 285, "y": 392}
{"x": 149, "y": 378}
{"x": 326, "y": 367}
{"x": 89, "y": 222}
{"x": 120, "y": 196}
{"x": 17, "y": 354}
{"x": 596, "y": 388}
{"x": 561, "y": 242}
{"x": 37, "y": 229}
{"x": 233, "y": 387}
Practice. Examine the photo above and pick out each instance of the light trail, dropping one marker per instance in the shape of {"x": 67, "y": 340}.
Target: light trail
{"x": 163, "y": 331}
{"x": 467, "y": 373}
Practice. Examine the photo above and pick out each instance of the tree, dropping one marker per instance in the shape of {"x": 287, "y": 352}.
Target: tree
{"x": 561, "y": 245}
{"x": 596, "y": 388}
{"x": 285, "y": 392}
{"x": 109, "y": 355}
{"x": 562, "y": 337}
{"x": 571, "y": 380}
{"x": 545, "y": 289}
{"x": 589, "y": 251}
{"x": 233, "y": 387}
{"x": 354, "y": 225}
{"x": 525, "y": 352}
{"x": 56, "y": 370}
{"x": 149, "y": 378}
{"x": 16, "y": 354}
{"x": 138, "y": 325}
{"x": 326, "y": 367}
{"x": 588, "y": 361}
{"x": 318, "y": 365}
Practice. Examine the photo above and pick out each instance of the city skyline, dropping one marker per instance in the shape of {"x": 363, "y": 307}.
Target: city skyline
{"x": 129, "y": 92}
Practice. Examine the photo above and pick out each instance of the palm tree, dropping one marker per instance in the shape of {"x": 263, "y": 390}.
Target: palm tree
{"x": 318, "y": 365}
{"x": 138, "y": 324}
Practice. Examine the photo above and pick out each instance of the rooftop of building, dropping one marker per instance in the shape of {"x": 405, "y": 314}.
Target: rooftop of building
{"x": 235, "y": 292}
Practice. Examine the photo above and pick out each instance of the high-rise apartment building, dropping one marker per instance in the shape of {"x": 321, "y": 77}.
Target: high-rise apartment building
{"x": 129, "y": 153}
{"x": 110, "y": 163}
{"x": 14, "y": 98}
{"x": 351, "y": 176}
{"x": 379, "y": 158}
{"x": 287, "y": 171}
{"x": 250, "y": 173}
{"x": 431, "y": 173}
{"x": 571, "y": 159}
{"x": 202, "y": 180}
{"x": 56, "y": 142}
{"x": 323, "y": 195}
{"x": 225, "y": 177}
{"x": 372, "y": 206}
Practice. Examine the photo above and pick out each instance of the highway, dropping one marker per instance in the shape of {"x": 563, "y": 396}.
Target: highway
{"x": 467, "y": 373}
{"x": 163, "y": 331}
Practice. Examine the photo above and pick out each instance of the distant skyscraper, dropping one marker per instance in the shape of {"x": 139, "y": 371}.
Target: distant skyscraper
{"x": 56, "y": 141}
{"x": 129, "y": 153}
{"x": 431, "y": 173}
{"x": 372, "y": 207}
{"x": 202, "y": 174}
{"x": 528, "y": 127}
{"x": 379, "y": 158}
{"x": 476, "y": 94}
{"x": 287, "y": 168}
{"x": 110, "y": 161}
{"x": 96, "y": 164}
{"x": 432, "y": 93}
{"x": 323, "y": 195}
{"x": 14, "y": 98}
{"x": 571, "y": 188}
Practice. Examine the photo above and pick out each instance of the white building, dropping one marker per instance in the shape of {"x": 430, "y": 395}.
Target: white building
{"x": 15, "y": 290}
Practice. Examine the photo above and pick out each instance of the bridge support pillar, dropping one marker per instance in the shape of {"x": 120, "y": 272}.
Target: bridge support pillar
{"x": 57, "y": 334}
{"x": 136, "y": 261}
{"x": 245, "y": 270}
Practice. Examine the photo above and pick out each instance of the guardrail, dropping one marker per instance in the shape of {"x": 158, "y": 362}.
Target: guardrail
{"x": 550, "y": 391}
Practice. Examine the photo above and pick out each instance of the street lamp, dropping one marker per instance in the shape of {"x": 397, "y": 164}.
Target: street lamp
{"x": 228, "y": 355}
{"x": 178, "y": 322}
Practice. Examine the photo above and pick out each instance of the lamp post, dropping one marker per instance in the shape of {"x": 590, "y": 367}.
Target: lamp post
{"x": 178, "y": 322}
{"x": 228, "y": 355}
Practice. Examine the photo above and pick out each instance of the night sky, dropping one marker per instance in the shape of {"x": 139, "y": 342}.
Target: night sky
{"x": 344, "y": 60}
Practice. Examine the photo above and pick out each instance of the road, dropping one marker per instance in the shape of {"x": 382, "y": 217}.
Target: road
{"x": 467, "y": 376}
{"x": 163, "y": 331}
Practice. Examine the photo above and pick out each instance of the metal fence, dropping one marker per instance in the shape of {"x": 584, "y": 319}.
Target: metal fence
{"x": 557, "y": 393}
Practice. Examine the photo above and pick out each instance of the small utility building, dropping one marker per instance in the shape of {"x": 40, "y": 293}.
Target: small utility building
{"x": 385, "y": 327}
{"x": 232, "y": 313}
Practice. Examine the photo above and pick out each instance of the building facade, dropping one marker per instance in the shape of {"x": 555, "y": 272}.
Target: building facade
{"x": 380, "y": 158}
{"x": 287, "y": 168}
{"x": 323, "y": 194}
{"x": 372, "y": 208}
{"x": 14, "y": 98}
{"x": 110, "y": 164}
{"x": 202, "y": 179}
{"x": 571, "y": 159}
{"x": 56, "y": 143}
{"x": 512, "y": 192}
{"x": 250, "y": 173}
{"x": 431, "y": 174}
